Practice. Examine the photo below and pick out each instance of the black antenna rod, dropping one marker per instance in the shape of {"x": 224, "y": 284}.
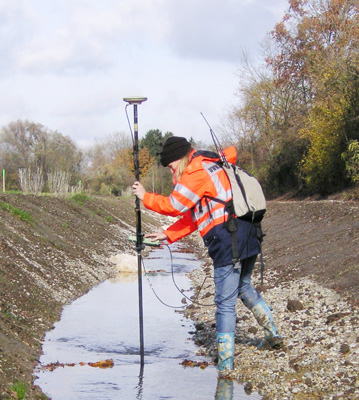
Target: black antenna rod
{"x": 216, "y": 143}
{"x": 139, "y": 245}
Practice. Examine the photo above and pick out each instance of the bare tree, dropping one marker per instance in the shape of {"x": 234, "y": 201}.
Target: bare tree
{"x": 58, "y": 182}
{"x": 31, "y": 181}
{"x": 28, "y": 145}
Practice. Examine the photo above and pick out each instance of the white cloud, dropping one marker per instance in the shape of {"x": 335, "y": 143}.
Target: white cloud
{"x": 83, "y": 35}
{"x": 220, "y": 30}
{"x": 14, "y": 28}
{"x": 78, "y": 36}
{"x": 68, "y": 64}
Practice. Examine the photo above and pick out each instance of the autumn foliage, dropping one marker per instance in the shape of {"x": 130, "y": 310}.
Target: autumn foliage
{"x": 300, "y": 112}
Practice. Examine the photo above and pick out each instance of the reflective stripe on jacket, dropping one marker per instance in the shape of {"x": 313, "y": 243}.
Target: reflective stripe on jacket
{"x": 202, "y": 177}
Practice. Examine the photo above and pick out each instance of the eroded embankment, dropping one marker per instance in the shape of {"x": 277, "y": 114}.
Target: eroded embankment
{"x": 52, "y": 250}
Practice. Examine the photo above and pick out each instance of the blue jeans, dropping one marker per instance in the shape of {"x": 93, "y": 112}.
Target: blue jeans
{"x": 230, "y": 284}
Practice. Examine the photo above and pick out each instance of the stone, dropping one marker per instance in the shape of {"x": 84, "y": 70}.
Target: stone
{"x": 344, "y": 348}
{"x": 294, "y": 305}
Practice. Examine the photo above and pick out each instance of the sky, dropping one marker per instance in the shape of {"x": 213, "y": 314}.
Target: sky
{"x": 68, "y": 64}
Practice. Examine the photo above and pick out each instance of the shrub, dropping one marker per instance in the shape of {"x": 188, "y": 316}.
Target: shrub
{"x": 351, "y": 159}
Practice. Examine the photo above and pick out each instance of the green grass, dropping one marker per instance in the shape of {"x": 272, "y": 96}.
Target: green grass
{"x": 110, "y": 219}
{"x": 80, "y": 198}
{"x": 23, "y": 215}
{"x": 9, "y": 315}
{"x": 20, "y": 388}
{"x": 14, "y": 192}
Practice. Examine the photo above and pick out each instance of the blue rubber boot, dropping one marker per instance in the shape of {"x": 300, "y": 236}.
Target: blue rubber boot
{"x": 263, "y": 315}
{"x": 225, "y": 345}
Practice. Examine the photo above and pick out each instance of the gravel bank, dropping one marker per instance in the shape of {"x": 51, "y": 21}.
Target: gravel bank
{"x": 320, "y": 325}
{"x": 320, "y": 358}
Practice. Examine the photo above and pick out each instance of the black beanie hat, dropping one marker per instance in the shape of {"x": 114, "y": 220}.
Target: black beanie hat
{"x": 175, "y": 147}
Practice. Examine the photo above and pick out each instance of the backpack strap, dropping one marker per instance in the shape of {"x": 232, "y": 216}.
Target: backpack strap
{"x": 260, "y": 236}
{"x": 231, "y": 225}
{"x": 206, "y": 154}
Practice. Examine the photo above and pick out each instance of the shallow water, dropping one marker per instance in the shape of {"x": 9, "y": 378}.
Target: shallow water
{"x": 103, "y": 324}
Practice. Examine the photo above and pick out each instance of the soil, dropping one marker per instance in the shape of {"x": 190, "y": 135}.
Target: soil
{"x": 315, "y": 239}
{"x": 52, "y": 250}
{"x": 56, "y": 249}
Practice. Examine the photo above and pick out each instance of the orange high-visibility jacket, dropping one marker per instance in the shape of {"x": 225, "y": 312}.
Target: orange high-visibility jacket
{"x": 202, "y": 177}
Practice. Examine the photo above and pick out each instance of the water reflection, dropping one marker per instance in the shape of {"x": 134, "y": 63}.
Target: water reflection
{"x": 103, "y": 325}
{"x": 140, "y": 383}
{"x": 224, "y": 390}
{"x": 124, "y": 277}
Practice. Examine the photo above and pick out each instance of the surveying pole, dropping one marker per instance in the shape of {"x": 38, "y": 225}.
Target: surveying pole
{"x": 135, "y": 101}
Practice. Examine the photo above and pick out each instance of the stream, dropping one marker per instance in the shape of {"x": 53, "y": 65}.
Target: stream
{"x": 104, "y": 325}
